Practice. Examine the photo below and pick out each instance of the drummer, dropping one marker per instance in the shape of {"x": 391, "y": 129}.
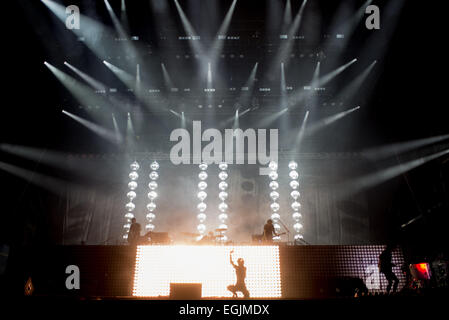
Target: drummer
{"x": 209, "y": 238}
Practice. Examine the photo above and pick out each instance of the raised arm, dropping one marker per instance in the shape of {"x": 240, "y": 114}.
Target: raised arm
{"x": 230, "y": 258}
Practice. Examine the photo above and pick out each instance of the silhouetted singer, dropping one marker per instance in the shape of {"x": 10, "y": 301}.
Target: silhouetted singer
{"x": 386, "y": 267}
{"x": 240, "y": 272}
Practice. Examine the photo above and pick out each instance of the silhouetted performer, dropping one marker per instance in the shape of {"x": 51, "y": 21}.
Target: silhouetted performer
{"x": 268, "y": 231}
{"x": 134, "y": 233}
{"x": 386, "y": 267}
{"x": 240, "y": 272}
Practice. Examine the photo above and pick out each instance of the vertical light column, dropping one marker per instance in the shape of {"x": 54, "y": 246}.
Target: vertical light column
{"x": 131, "y": 195}
{"x": 294, "y": 184}
{"x": 223, "y": 206}
{"x": 202, "y": 185}
{"x": 274, "y": 195}
{"x": 152, "y": 195}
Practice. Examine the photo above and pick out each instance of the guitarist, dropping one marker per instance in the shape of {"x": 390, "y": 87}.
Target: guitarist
{"x": 134, "y": 233}
{"x": 269, "y": 232}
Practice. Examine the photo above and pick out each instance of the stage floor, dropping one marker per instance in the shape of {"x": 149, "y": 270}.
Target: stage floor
{"x": 273, "y": 272}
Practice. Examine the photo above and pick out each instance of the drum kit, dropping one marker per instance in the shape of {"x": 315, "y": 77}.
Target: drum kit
{"x": 152, "y": 237}
{"x": 216, "y": 236}
{"x": 213, "y": 237}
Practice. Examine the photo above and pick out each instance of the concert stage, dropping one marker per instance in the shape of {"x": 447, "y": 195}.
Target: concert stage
{"x": 204, "y": 272}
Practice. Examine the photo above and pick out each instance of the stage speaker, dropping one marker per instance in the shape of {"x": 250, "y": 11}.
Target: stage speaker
{"x": 185, "y": 291}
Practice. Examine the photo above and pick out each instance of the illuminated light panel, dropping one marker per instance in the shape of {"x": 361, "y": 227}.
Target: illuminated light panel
{"x": 422, "y": 267}
{"x": 423, "y": 270}
{"x": 158, "y": 266}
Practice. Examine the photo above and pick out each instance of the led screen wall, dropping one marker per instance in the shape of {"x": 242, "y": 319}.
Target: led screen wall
{"x": 158, "y": 266}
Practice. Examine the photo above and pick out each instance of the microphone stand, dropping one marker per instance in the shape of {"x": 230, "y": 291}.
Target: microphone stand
{"x": 285, "y": 227}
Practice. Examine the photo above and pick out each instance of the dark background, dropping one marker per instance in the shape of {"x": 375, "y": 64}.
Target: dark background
{"x": 406, "y": 102}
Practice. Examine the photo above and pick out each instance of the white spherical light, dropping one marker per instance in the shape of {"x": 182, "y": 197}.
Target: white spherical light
{"x": 274, "y": 195}
{"x": 296, "y": 205}
{"x": 132, "y": 185}
{"x": 203, "y": 166}
{"x": 149, "y": 227}
{"x": 294, "y": 184}
{"x": 202, "y": 185}
{"x": 298, "y": 236}
{"x": 273, "y": 165}
{"x": 277, "y": 227}
{"x": 273, "y": 175}
{"x": 130, "y": 206}
{"x": 223, "y": 207}
{"x": 202, "y": 195}
{"x": 297, "y": 226}
{"x": 129, "y": 215}
{"x": 294, "y": 175}
{"x": 152, "y": 195}
{"x": 152, "y": 185}
{"x": 223, "y": 185}
{"x": 223, "y": 175}
{"x": 222, "y": 217}
{"x": 201, "y": 206}
{"x": 274, "y": 185}
{"x": 292, "y": 165}
{"x": 126, "y": 226}
{"x": 151, "y": 206}
{"x": 295, "y": 194}
{"x": 223, "y": 195}
{"x": 296, "y": 216}
{"x": 125, "y": 236}
{"x": 134, "y": 166}
{"x": 154, "y": 175}
{"x": 275, "y": 206}
{"x": 275, "y": 216}
{"x": 202, "y": 175}
{"x": 201, "y": 217}
{"x": 131, "y": 195}
{"x": 133, "y": 175}
{"x": 150, "y": 216}
{"x": 223, "y": 166}
{"x": 154, "y": 165}
{"x": 201, "y": 228}
{"x": 223, "y": 226}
